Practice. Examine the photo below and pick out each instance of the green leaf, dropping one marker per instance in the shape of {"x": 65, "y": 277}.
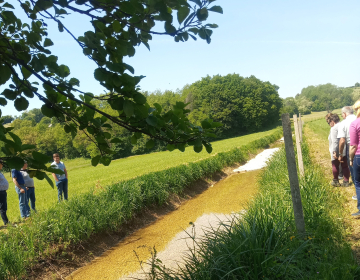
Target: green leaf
{"x": 115, "y": 140}
{"x": 5, "y": 74}
{"x": 150, "y": 144}
{"x": 116, "y": 26}
{"x": 205, "y": 124}
{"x": 95, "y": 160}
{"x": 128, "y": 108}
{"x": 169, "y": 28}
{"x": 27, "y": 147}
{"x": 41, "y": 158}
{"x": 133, "y": 140}
{"x": 151, "y": 120}
{"x": 216, "y": 124}
{"x": 198, "y": 149}
{"x": 181, "y": 147}
{"x": 139, "y": 98}
{"x": 51, "y": 183}
{"x": 60, "y": 26}
{"x": 26, "y": 73}
{"x": 216, "y": 9}
{"x": 48, "y": 42}
{"x": 202, "y": 14}
{"x": 9, "y": 94}
{"x": 21, "y": 103}
{"x": 105, "y": 160}
{"x": 64, "y": 71}
{"x": 100, "y": 74}
{"x": 7, "y": 5}
{"x": 40, "y": 175}
{"x": 158, "y": 107}
{"x": 15, "y": 163}
{"x": 208, "y": 148}
{"x": 42, "y": 5}
{"x": 182, "y": 13}
{"x": 47, "y": 111}
{"x": 54, "y": 169}
{"x": 170, "y": 147}
{"x": 16, "y": 139}
{"x": 3, "y": 101}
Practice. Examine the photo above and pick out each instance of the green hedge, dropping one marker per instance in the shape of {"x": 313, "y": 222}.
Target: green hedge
{"x": 104, "y": 209}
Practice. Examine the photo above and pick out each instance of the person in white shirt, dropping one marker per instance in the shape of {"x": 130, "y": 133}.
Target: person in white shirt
{"x": 344, "y": 136}
{"x": 29, "y": 185}
{"x": 61, "y": 181}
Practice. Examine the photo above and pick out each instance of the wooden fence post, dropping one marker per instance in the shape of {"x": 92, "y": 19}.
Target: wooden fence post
{"x": 298, "y": 146}
{"x": 300, "y": 128}
{"x": 293, "y": 177}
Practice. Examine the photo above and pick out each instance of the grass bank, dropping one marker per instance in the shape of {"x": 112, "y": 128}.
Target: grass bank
{"x": 263, "y": 243}
{"x": 106, "y": 208}
{"x": 83, "y": 176}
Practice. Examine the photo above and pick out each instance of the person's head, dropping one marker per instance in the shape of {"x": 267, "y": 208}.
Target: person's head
{"x": 356, "y": 108}
{"x": 332, "y": 119}
{"x": 25, "y": 165}
{"x": 56, "y": 157}
{"x": 345, "y": 111}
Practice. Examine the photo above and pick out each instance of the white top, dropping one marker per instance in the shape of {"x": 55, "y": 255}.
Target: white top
{"x": 344, "y": 128}
{"x": 4, "y": 184}
{"x": 29, "y": 182}
{"x": 334, "y": 141}
{"x": 60, "y": 166}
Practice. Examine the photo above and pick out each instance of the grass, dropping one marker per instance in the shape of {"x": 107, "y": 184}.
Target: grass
{"x": 83, "y": 176}
{"x": 263, "y": 243}
{"x": 101, "y": 209}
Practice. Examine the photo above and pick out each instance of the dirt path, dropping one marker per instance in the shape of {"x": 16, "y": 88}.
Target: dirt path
{"x": 320, "y": 153}
{"x": 225, "y": 197}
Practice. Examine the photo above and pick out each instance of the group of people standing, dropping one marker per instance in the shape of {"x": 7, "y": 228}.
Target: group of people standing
{"x": 344, "y": 139}
{"x": 25, "y": 188}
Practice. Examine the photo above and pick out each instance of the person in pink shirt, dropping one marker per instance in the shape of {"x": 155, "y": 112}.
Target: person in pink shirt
{"x": 355, "y": 152}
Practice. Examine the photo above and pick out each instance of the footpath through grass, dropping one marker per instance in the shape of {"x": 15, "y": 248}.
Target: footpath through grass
{"x": 83, "y": 176}
{"x": 108, "y": 208}
{"x": 263, "y": 243}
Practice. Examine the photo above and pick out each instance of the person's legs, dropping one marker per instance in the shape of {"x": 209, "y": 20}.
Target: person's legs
{"x": 3, "y": 206}
{"x": 65, "y": 188}
{"x": 31, "y": 198}
{"x": 59, "y": 185}
{"x": 23, "y": 203}
{"x": 345, "y": 169}
{"x": 351, "y": 168}
{"x": 335, "y": 168}
{"x": 356, "y": 166}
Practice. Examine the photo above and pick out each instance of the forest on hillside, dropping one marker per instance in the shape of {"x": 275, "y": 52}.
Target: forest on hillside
{"x": 242, "y": 105}
{"x": 325, "y": 97}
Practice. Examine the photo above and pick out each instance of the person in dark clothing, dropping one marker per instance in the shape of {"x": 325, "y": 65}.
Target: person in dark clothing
{"x": 4, "y": 186}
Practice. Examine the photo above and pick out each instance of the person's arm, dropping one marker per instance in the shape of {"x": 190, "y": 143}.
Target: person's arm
{"x": 352, "y": 152}
{"x": 18, "y": 186}
{"x": 341, "y": 148}
{"x": 335, "y": 142}
{"x": 65, "y": 173}
{"x": 54, "y": 175}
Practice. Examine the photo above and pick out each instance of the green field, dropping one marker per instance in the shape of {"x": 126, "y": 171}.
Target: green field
{"x": 83, "y": 177}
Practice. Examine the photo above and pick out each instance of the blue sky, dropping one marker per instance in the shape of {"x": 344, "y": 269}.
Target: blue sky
{"x": 292, "y": 44}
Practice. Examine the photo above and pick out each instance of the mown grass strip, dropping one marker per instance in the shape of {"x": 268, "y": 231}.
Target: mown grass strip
{"x": 106, "y": 209}
{"x": 262, "y": 244}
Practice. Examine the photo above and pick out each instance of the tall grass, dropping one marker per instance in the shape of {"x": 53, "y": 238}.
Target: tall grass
{"x": 262, "y": 244}
{"x": 105, "y": 209}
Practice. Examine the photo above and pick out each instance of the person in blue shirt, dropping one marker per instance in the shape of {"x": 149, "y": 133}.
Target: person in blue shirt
{"x": 61, "y": 181}
{"x": 21, "y": 191}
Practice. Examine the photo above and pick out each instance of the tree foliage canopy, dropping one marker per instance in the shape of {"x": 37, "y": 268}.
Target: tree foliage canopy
{"x": 118, "y": 26}
{"x": 240, "y": 104}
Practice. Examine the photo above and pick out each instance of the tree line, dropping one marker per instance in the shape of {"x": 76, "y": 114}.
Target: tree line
{"x": 242, "y": 105}
{"x": 325, "y": 97}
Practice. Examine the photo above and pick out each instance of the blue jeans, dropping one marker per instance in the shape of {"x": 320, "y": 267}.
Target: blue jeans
{"x": 23, "y": 202}
{"x": 62, "y": 186}
{"x": 356, "y": 166}
{"x": 348, "y": 161}
{"x": 30, "y": 193}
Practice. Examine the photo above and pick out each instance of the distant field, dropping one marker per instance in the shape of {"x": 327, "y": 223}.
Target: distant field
{"x": 83, "y": 177}
{"x": 318, "y": 115}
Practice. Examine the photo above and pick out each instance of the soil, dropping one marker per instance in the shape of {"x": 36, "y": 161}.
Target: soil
{"x": 320, "y": 153}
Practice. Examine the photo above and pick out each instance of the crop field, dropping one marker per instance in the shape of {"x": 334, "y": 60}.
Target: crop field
{"x": 83, "y": 176}
{"x": 318, "y": 115}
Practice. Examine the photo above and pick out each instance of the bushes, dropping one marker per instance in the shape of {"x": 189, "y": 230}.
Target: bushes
{"x": 105, "y": 209}
{"x": 262, "y": 244}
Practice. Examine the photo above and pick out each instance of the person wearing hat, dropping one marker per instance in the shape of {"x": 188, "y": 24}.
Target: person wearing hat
{"x": 29, "y": 185}
{"x": 4, "y": 186}
{"x": 22, "y": 193}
